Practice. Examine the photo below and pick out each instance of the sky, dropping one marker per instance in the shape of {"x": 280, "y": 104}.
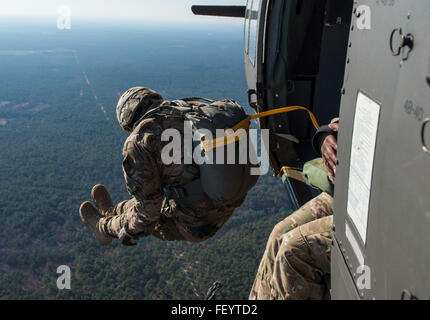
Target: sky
{"x": 149, "y": 10}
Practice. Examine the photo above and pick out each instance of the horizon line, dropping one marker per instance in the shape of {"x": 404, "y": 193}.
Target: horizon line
{"x": 199, "y": 19}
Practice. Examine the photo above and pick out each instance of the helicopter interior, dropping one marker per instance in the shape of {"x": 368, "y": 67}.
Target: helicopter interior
{"x": 307, "y": 70}
{"x": 301, "y": 52}
{"x": 295, "y": 55}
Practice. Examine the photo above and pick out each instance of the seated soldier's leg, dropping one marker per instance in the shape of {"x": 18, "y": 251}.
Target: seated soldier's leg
{"x": 303, "y": 261}
{"x": 318, "y": 207}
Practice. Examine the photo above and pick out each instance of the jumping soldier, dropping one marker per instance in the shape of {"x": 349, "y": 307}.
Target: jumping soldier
{"x": 176, "y": 201}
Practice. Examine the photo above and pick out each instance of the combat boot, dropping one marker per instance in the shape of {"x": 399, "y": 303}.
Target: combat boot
{"x": 102, "y": 200}
{"x": 91, "y": 218}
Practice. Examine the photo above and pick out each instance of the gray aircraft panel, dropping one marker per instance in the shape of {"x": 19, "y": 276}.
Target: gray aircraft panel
{"x": 344, "y": 286}
{"x": 403, "y": 204}
{"x": 372, "y": 71}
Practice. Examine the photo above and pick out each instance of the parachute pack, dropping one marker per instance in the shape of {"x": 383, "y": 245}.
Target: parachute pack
{"x": 224, "y": 183}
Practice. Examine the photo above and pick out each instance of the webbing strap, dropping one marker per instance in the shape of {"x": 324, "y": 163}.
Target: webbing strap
{"x": 197, "y": 99}
{"x": 291, "y": 172}
{"x": 244, "y": 124}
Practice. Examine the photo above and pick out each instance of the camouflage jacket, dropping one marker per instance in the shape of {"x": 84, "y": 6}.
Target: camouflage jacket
{"x": 147, "y": 177}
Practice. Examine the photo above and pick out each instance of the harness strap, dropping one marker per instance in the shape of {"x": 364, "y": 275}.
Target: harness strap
{"x": 291, "y": 172}
{"x": 208, "y": 145}
{"x": 163, "y": 110}
{"x": 196, "y": 99}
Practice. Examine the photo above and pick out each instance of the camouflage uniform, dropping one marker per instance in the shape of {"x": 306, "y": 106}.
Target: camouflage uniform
{"x": 296, "y": 262}
{"x": 150, "y": 211}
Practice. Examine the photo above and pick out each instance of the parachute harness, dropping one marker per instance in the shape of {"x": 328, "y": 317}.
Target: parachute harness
{"x": 237, "y": 133}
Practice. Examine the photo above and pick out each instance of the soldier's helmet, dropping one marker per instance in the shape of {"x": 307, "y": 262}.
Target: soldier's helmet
{"x": 133, "y": 104}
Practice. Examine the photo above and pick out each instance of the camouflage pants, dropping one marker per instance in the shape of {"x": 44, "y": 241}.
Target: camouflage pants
{"x": 124, "y": 214}
{"x": 297, "y": 257}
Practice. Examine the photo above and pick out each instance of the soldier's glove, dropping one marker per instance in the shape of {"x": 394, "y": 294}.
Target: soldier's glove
{"x": 126, "y": 239}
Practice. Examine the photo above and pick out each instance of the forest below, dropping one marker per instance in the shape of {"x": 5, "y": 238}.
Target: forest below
{"x": 59, "y": 137}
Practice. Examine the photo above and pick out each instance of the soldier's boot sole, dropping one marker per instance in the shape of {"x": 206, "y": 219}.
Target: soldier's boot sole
{"x": 102, "y": 200}
{"x": 91, "y": 218}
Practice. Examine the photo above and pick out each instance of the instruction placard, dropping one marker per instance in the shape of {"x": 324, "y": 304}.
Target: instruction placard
{"x": 362, "y": 159}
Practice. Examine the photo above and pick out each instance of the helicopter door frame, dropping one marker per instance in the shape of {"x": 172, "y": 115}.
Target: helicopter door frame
{"x": 254, "y": 31}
